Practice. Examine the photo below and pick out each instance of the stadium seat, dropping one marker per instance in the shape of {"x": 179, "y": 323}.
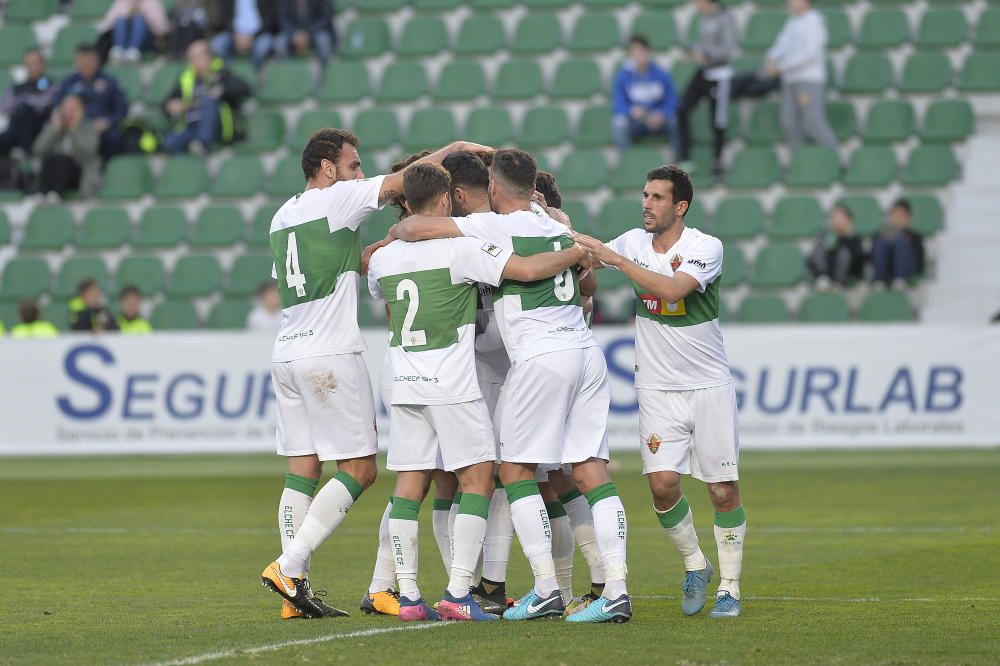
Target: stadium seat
{"x": 265, "y": 132}
{"x": 176, "y": 316}
{"x": 4, "y": 228}
{"x": 765, "y": 124}
{"x": 813, "y": 166}
{"x": 238, "y": 177}
{"x": 430, "y": 129}
{"x": 381, "y": 6}
{"x": 885, "y": 306}
{"x": 542, "y": 4}
{"x": 537, "y": 33}
{"x": 763, "y": 309}
{"x": 248, "y": 273}
{"x": 460, "y": 80}
{"x": 544, "y": 126}
{"x": 579, "y": 216}
{"x": 842, "y": 118}
{"x": 104, "y": 228}
{"x": 128, "y": 80}
{"x": 66, "y": 42}
{"x": 48, "y": 228}
{"x": 518, "y": 79}
{"x": 258, "y": 232}
{"x": 734, "y": 265}
{"x": 682, "y": 72}
{"x": 695, "y": 217}
{"x": 883, "y": 29}
{"x": 595, "y": 33}
{"x": 436, "y": 5}
{"x": 796, "y": 217}
{"x": 618, "y": 215}
{"x": 195, "y": 275}
{"x": 824, "y": 307}
{"x": 941, "y": 28}
{"x": 161, "y": 226}
{"x": 925, "y": 73}
{"x": 126, "y": 177}
{"x": 701, "y": 124}
{"x": 378, "y": 225}
{"x": 594, "y": 128}
{"x": 423, "y": 36}
{"x": 583, "y": 170}
{"x": 947, "y": 120}
{"x": 838, "y": 28}
{"x": 480, "y": 34}
{"x": 24, "y": 277}
{"x": 659, "y": 27}
{"x": 980, "y": 72}
{"x": 144, "y": 272}
{"x": 28, "y": 11}
{"x": 778, "y": 264}
{"x": 762, "y": 29}
{"x": 365, "y": 38}
{"x": 89, "y": 10}
{"x": 57, "y": 314}
{"x": 491, "y": 126}
{"x": 164, "y": 80}
{"x": 377, "y": 128}
{"x": 633, "y": 165}
{"x": 287, "y": 178}
{"x": 14, "y": 41}
{"x": 229, "y": 314}
{"x": 753, "y": 168}
{"x": 218, "y": 226}
{"x": 932, "y": 164}
{"x": 888, "y": 121}
{"x": 867, "y": 73}
{"x": 183, "y": 177}
{"x": 738, "y": 218}
{"x": 402, "y": 82}
{"x": 988, "y": 29}
{"x": 577, "y": 78}
{"x": 309, "y": 122}
{"x": 867, "y": 213}
{"x": 870, "y": 166}
{"x": 344, "y": 81}
{"x": 75, "y": 270}
{"x": 927, "y": 213}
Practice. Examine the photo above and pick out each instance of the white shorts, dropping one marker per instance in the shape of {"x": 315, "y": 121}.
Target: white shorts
{"x": 690, "y": 432}
{"x": 555, "y": 408}
{"x": 448, "y": 437}
{"x": 325, "y": 407}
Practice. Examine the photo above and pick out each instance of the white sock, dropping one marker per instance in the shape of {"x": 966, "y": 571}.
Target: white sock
{"x": 292, "y": 511}
{"x": 452, "y": 514}
{"x": 678, "y": 522}
{"x": 467, "y": 542}
{"x": 440, "y": 520}
{"x": 384, "y": 576}
{"x": 403, "y": 532}
{"x": 531, "y": 523}
{"x": 499, "y": 537}
{"x": 729, "y": 536}
{"x": 582, "y": 520}
{"x": 611, "y": 528}
{"x": 325, "y": 515}
{"x": 562, "y": 554}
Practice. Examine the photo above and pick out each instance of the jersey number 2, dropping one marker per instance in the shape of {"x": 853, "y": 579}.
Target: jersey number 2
{"x": 407, "y": 289}
{"x": 294, "y": 278}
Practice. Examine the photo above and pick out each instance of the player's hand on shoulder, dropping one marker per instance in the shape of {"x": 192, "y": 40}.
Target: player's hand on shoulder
{"x": 366, "y": 256}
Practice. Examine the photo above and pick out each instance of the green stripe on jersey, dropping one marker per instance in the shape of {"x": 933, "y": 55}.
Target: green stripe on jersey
{"x": 309, "y": 259}
{"x": 563, "y": 289}
{"x": 426, "y": 309}
{"x": 695, "y": 308}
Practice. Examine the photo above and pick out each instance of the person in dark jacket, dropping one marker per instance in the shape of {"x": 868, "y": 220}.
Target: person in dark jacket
{"x": 644, "y": 101}
{"x": 188, "y": 23}
{"x": 838, "y": 255}
{"x": 102, "y": 97}
{"x": 204, "y": 104}
{"x": 245, "y": 27}
{"x": 898, "y": 250}
{"x": 305, "y": 24}
{"x": 87, "y": 311}
{"x": 26, "y": 105}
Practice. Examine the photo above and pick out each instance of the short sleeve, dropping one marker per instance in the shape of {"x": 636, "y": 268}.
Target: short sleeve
{"x": 704, "y": 263}
{"x": 350, "y": 202}
{"x": 373, "y": 285}
{"x": 618, "y": 245}
{"x": 479, "y": 261}
{"x": 484, "y": 226}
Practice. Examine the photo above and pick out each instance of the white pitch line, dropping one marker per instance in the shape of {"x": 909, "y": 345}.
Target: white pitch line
{"x": 853, "y": 600}
{"x": 238, "y": 652}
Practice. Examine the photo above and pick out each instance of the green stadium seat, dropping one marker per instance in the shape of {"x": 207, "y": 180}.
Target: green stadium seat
{"x": 89, "y": 10}
{"x": 883, "y": 29}
{"x": 218, "y": 226}
{"x": 696, "y": 216}
{"x": 738, "y": 218}
{"x": 344, "y": 81}
{"x": 265, "y": 132}
{"x": 537, "y": 34}
{"x": 927, "y": 213}
{"x": 381, "y": 6}
{"x": 377, "y": 128}
{"x": 870, "y": 166}
{"x": 175, "y": 316}
{"x": 248, "y": 273}
{"x": 925, "y": 73}
{"x": 867, "y": 73}
{"x": 480, "y": 34}
{"x": 888, "y": 121}
{"x": 543, "y": 4}
{"x": 734, "y": 265}
{"x": 460, "y": 80}
{"x": 518, "y": 79}
{"x": 436, "y": 5}
{"x": 183, "y": 177}
{"x": 813, "y": 166}
{"x": 579, "y": 216}
{"x": 753, "y": 167}
{"x": 947, "y": 120}
{"x": 618, "y": 215}
{"x": 195, "y": 275}
{"x": 980, "y": 73}
{"x": 763, "y": 309}
{"x": 491, "y": 126}
{"x": 544, "y": 126}
{"x": 4, "y": 228}
{"x": 577, "y": 78}
{"x": 229, "y": 315}
{"x": 423, "y": 36}
{"x": 824, "y": 307}
{"x": 75, "y": 270}
{"x": 765, "y": 124}
{"x": 164, "y": 80}
{"x": 701, "y": 123}
{"x": 778, "y": 264}
{"x": 308, "y": 123}
{"x": 144, "y": 272}
{"x": 605, "y": 3}
{"x": 128, "y": 79}
{"x": 104, "y": 228}
{"x": 161, "y": 226}
{"x": 48, "y": 228}
{"x": 595, "y": 127}
{"x": 867, "y": 213}
{"x": 8, "y": 315}
{"x": 595, "y": 33}
{"x": 287, "y": 178}
{"x": 988, "y": 29}
{"x": 28, "y": 11}
{"x": 24, "y": 277}
{"x": 286, "y": 82}
{"x": 931, "y": 164}
{"x": 378, "y": 225}
{"x": 67, "y": 40}
{"x": 762, "y": 29}
{"x": 682, "y": 72}
{"x": 661, "y": 3}
{"x": 14, "y": 41}
{"x": 659, "y": 27}
{"x": 57, "y": 314}
{"x": 838, "y": 28}
{"x": 258, "y": 233}
{"x": 886, "y": 306}
{"x": 403, "y": 82}
{"x": 583, "y": 170}
{"x": 796, "y": 217}
{"x": 430, "y": 129}
{"x": 842, "y": 118}
{"x": 238, "y": 177}
{"x": 126, "y": 177}
{"x": 941, "y": 28}
{"x": 633, "y": 165}
{"x": 609, "y": 280}
{"x": 365, "y": 38}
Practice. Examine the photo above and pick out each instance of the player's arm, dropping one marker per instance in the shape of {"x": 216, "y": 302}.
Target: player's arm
{"x": 425, "y": 227}
{"x": 542, "y": 265}
{"x": 392, "y": 184}
{"x": 670, "y": 289}
{"x": 587, "y": 280}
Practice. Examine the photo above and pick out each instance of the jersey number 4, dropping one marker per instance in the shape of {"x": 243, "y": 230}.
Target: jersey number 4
{"x": 294, "y": 277}
{"x": 407, "y": 289}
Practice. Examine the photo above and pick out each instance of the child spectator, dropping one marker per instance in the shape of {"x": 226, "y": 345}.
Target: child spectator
{"x": 266, "y": 314}
{"x": 130, "y": 320}
{"x": 68, "y": 147}
{"x": 32, "y": 326}
{"x": 644, "y": 101}
{"x": 134, "y": 25}
{"x": 897, "y": 250}
{"x": 837, "y": 255}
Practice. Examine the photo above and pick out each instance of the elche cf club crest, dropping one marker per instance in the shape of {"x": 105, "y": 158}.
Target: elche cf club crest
{"x": 676, "y": 261}
{"x": 653, "y": 443}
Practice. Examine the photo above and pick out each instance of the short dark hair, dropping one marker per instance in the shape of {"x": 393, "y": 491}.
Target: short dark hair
{"x": 85, "y": 284}
{"x": 129, "y": 290}
{"x": 423, "y": 182}
{"x": 516, "y": 170}
{"x": 904, "y": 204}
{"x": 681, "y": 189}
{"x": 845, "y": 209}
{"x": 466, "y": 170}
{"x": 325, "y": 144}
{"x": 545, "y": 184}
{"x": 641, "y": 40}
{"x": 86, "y": 48}
{"x": 28, "y": 311}
{"x": 33, "y": 49}
{"x": 397, "y": 201}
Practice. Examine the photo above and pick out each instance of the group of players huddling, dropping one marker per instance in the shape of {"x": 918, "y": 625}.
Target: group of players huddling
{"x": 495, "y": 386}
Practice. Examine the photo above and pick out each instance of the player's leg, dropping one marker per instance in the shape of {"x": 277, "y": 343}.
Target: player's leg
{"x": 300, "y": 486}
{"x": 562, "y": 536}
{"x": 582, "y": 523}
{"x": 381, "y": 598}
{"x": 445, "y": 489}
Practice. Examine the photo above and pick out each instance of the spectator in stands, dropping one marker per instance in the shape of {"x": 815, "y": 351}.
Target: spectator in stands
{"x": 68, "y": 148}
{"x": 246, "y": 27}
{"x": 26, "y": 105}
{"x": 130, "y": 320}
{"x": 305, "y": 24}
{"x": 644, "y": 101}
{"x": 103, "y": 99}
{"x": 205, "y": 103}
{"x": 266, "y": 314}
{"x": 898, "y": 250}
{"x": 87, "y": 311}
{"x": 838, "y": 255}
{"x": 188, "y": 23}
{"x": 32, "y": 326}
{"x": 135, "y": 26}
{"x": 799, "y": 57}
{"x": 714, "y": 50}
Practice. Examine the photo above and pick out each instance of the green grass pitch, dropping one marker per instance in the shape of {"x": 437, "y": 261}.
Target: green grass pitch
{"x": 884, "y": 557}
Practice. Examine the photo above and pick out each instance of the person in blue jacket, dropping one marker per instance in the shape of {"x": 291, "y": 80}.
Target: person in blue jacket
{"x": 104, "y": 100}
{"x": 644, "y": 99}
